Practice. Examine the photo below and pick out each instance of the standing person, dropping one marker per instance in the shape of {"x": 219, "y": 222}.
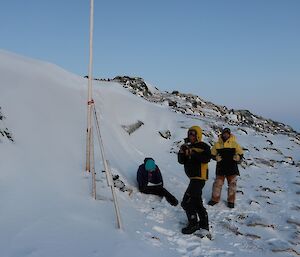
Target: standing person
{"x": 150, "y": 181}
{"x": 228, "y": 153}
{"x": 195, "y": 155}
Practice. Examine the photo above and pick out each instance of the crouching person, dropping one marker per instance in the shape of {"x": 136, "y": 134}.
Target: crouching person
{"x": 151, "y": 182}
{"x": 195, "y": 155}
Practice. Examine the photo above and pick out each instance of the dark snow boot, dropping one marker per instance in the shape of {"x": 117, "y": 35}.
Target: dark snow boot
{"x": 190, "y": 228}
{"x": 205, "y": 227}
{"x": 203, "y": 223}
{"x": 193, "y": 224}
{"x": 171, "y": 199}
{"x": 212, "y": 203}
{"x": 230, "y": 205}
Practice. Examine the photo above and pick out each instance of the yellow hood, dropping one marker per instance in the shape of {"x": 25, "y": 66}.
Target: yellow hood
{"x": 198, "y": 131}
{"x": 232, "y": 138}
{"x": 230, "y": 143}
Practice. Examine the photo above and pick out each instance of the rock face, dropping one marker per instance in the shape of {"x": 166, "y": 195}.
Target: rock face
{"x": 136, "y": 85}
{"x": 190, "y": 104}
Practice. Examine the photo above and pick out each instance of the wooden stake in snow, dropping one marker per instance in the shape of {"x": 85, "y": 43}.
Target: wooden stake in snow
{"x": 107, "y": 170}
{"x": 115, "y": 199}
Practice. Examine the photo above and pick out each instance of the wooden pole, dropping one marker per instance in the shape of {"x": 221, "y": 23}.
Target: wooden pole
{"x": 90, "y": 159}
{"x": 115, "y": 199}
{"x": 93, "y": 168}
{"x": 107, "y": 170}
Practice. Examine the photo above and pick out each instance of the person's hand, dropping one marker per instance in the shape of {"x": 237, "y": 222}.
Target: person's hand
{"x": 236, "y": 157}
{"x": 218, "y": 158}
{"x": 188, "y": 151}
{"x": 183, "y": 148}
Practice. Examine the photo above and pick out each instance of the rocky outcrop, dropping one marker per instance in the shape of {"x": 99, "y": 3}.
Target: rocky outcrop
{"x": 136, "y": 85}
{"x": 190, "y": 104}
{"x": 165, "y": 134}
{"x": 5, "y": 134}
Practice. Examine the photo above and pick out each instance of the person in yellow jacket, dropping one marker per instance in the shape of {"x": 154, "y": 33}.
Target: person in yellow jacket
{"x": 195, "y": 155}
{"x": 228, "y": 153}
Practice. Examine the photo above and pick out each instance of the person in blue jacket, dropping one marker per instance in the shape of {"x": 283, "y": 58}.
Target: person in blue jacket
{"x": 150, "y": 181}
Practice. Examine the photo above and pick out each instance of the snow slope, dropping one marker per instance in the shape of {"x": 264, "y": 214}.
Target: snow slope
{"x": 46, "y": 203}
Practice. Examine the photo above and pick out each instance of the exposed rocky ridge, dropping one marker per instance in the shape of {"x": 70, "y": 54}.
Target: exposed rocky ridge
{"x": 4, "y": 132}
{"x": 242, "y": 122}
{"x": 190, "y": 104}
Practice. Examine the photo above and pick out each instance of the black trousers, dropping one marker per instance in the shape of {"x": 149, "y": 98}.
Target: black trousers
{"x": 193, "y": 205}
{"x": 160, "y": 191}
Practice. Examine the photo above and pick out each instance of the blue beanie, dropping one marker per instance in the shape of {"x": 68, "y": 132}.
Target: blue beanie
{"x": 150, "y": 165}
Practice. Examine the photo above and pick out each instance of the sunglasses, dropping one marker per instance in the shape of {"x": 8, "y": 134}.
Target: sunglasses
{"x": 192, "y": 133}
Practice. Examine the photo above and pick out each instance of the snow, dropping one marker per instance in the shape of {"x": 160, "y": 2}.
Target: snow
{"x": 45, "y": 195}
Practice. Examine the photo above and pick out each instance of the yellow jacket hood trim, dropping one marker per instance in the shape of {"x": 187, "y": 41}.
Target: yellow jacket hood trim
{"x": 232, "y": 138}
{"x": 229, "y": 143}
{"x": 198, "y": 131}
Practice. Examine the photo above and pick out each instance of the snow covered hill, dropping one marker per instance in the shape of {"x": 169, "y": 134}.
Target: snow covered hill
{"x": 46, "y": 203}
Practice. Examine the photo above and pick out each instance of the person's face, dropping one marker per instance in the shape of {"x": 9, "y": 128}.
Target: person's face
{"x": 192, "y": 135}
{"x": 225, "y": 136}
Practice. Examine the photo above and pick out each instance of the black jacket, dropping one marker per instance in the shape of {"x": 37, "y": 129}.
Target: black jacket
{"x": 196, "y": 164}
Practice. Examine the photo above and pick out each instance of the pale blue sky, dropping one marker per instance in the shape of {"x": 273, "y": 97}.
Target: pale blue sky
{"x": 239, "y": 53}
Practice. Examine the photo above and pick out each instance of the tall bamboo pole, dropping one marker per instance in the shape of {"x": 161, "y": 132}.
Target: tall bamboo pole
{"x": 90, "y": 167}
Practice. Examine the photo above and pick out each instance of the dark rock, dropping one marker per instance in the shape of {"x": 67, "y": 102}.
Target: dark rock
{"x": 195, "y": 104}
{"x": 4, "y": 132}
{"x": 243, "y": 130}
{"x": 268, "y": 163}
{"x": 273, "y": 149}
{"x": 133, "y": 127}
{"x": 172, "y": 103}
{"x": 165, "y": 134}
{"x": 136, "y": 84}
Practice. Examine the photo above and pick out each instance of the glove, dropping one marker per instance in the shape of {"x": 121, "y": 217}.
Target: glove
{"x": 218, "y": 158}
{"x": 188, "y": 152}
{"x": 183, "y": 148}
{"x": 236, "y": 157}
